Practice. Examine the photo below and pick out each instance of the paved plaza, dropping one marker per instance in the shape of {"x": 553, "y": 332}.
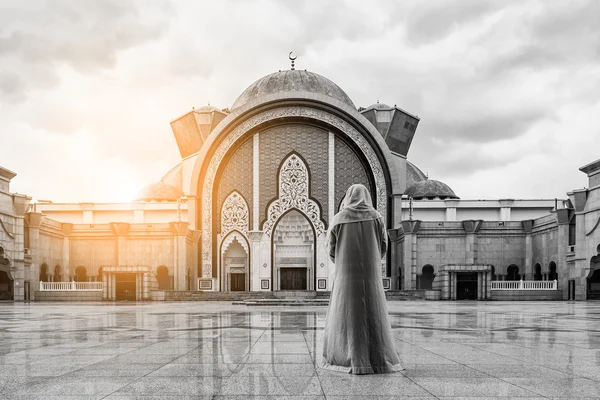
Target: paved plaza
{"x": 219, "y": 351}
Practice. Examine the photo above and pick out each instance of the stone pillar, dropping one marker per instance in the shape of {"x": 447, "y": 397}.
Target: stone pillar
{"x": 193, "y": 238}
{"x": 471, "y": 228}
{"x": 105, "y": 286}
{"x": 563, "y": 217}
{"x": 120, "y": 229}
{"x": 138, "y": 286}
{"x": 528, "y": 267}
{"x": 505, "y": 209}
{"x": 255, "y": 182}
{"x": 395, "y": 244}
{"x": 179, "y": 230}
{"x": 451, "y": 209}
{"x": 88, "y": 213}
{"x": 113, "y": 286}
{"x": 35, "y": 220}
{"x": 410, "y": 253}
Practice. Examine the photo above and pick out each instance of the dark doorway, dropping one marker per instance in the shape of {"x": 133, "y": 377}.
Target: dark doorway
{"x": 466, "y": 286}
{"x": 512, "y": 273}
{"x": 426, "y": 281}
{"x": 593, "y": 292}
{"x": 553, "y": 275}
{"x": 238, "y": 282}
{"x": 571, "y": 286}
{"x": 293, "y": 279}
{"x": 80, "y": 274}
{"x": 163, "y": 278}
{"x": 44, "y": 273}
{"x": 537, "y": 276}
{"x": 126, "y": 287}
{"x": 6, "y": 287}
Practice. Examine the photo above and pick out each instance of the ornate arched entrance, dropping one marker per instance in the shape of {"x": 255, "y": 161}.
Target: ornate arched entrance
{"x": 294, "y": 254}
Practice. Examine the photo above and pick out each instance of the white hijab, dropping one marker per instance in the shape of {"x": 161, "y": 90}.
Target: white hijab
{"x": 356, "y": 207}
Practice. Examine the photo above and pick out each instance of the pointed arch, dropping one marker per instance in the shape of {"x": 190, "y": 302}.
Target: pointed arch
{"x": 234, "y": 214}
{"x": 294, "y": 184}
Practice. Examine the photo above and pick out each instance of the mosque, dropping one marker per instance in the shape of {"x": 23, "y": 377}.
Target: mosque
{"x": 248, "y": 207}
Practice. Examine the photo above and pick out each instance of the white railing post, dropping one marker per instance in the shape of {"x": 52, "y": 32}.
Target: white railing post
{"x": 73, "y": 285}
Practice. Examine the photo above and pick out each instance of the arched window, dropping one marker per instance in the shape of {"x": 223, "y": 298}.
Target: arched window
{"x": 162, "y": 276}
{"x": 512, "y": 273}
{"x": 80, "y": 274}
{"x": 553, "y": 274}
{"x": 494, "y": 277}
{"x": 537, "y": 272}
{"x": 57, "y": 277}
{"x": 426, "y": 281}
{"x": 99, "y": 278}
{"x": 44, "y": 273}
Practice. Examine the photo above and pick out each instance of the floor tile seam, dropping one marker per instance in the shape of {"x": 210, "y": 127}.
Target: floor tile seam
{"x": 315, "y": 366}
{"x": 134, "y": 380}
{"x": 517, "y": 359}
{"x": 410, "y": 379}
{"x": 528, "y": 390}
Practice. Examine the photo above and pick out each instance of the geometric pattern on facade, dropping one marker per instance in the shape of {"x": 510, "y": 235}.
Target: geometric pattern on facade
{"x": 234, "y": 214}
{"x": 237, "y": 175}
{"x": 348, "y": 171}
{"x": 277, "y": 143}
{"x": 293, "y": 193}
{"x": 258, "y": 119}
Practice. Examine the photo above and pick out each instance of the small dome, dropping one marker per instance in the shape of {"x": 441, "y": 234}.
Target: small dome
{"x": 430, "y": 188}
{"x": 160, "y": 191}
{"x": 379, "y": 106}
{"x": 413, "y": 174}
{"x": 207, "y": 109}
{"x": 292, "y": 81}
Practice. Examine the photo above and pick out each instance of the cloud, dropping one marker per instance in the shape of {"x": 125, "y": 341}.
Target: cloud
{"x": 36, "y": 38}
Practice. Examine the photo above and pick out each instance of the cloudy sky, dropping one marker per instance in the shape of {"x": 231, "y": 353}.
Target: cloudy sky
{"x": 508, "y": 92}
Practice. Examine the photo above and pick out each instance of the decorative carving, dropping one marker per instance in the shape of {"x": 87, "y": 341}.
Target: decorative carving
{"x": 293, "y": 193}
{"x": 234, "y": 214}
{"x": 256, "y": 120}
{"x": 276, "y": 143}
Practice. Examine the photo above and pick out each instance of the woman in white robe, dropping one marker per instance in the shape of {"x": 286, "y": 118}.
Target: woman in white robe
{"x": 358, "y": 337}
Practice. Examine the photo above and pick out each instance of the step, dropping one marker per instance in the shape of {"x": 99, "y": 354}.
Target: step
{"x": 283, "y": 302}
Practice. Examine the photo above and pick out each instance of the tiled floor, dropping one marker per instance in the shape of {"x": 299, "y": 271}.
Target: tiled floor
{"x": 219, "y": 351}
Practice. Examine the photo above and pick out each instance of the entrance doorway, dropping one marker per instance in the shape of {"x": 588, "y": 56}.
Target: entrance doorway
{"x": 466, "y": 286}
{"x": 238, "y": 282}
{"x": 593, "y": 283}
{"x": 6, "y": 286}
{"x": 126, "y": 287}
{"x": 293, "y": 279}
{"x": 294, "y": 252}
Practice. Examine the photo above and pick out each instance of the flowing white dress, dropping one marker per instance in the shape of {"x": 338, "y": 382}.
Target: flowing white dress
{"x": 358, "y": 337}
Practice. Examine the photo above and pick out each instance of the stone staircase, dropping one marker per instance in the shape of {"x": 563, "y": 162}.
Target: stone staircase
{"x": 280, "y": 298}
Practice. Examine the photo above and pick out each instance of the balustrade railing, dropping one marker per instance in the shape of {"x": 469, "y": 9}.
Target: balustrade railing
{"x": 525, "y": 285}
{"x": 62, "y": 286}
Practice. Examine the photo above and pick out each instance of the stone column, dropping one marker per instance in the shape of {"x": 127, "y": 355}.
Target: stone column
{"x": 563, "y": 217}
{"x": 35, "y": 220}
{"x": 255, "y": 182}
{"x": 113, "y": 286}
{"x": 505, "y": 209}
{"x": 395, "y": 244}
{"x": 409, "y": 263}
{"x": 179, "y": 230}
{"x": 451, "y": 209}
{"x": 192, "y": 239}
{"x": 528, "y": 270}
{"x": 105, "y": 286}
{"x": 471, "y": 228}
{"x": 120, "y": 229}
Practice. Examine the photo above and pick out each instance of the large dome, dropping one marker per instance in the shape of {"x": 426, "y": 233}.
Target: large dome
{"x": 430, "y": 189}
{"x": 292, "y": 81}
{"x": 160, "y": 191}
